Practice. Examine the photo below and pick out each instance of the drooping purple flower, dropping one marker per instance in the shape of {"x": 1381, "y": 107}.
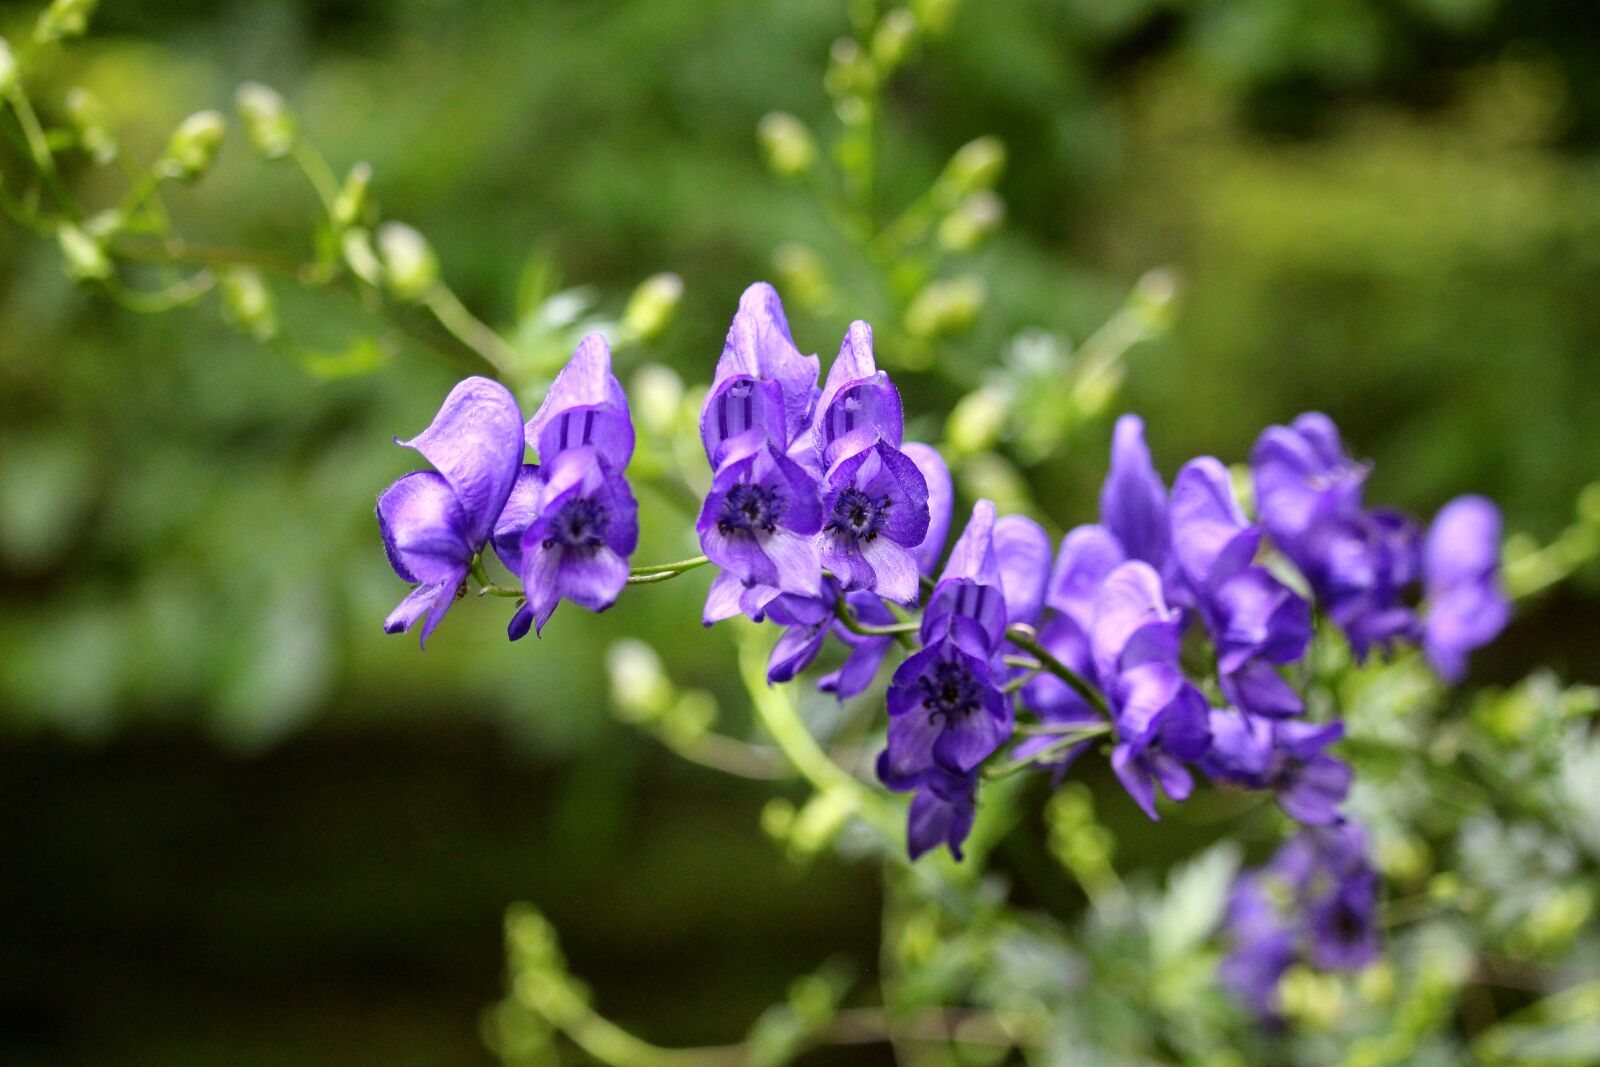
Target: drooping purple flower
{"x": 1288, "y": 757}
{"x": 759, "y": 522}
{"x": 1303, "y": 477}
{"x": 435, "y": 522}
{"x": 945, "y": 709}
{"x": 942, "y": 808}
{"x": 1254, "y": 619}
{"x": 1133, "y": 501}
{"x": 806, "y": 621}
{"x": 1466, "y": 606}
{"x": 874, "y": 513}
{"x": 759, "y": 348}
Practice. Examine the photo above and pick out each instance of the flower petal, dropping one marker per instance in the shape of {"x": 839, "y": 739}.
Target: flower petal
{"x": 424, "y": 530}
{"x": 586, "y": 406}
{"x": 1133, "y": 502}
{"x": 941, "y": 499}
{"x": 475, "y": 442}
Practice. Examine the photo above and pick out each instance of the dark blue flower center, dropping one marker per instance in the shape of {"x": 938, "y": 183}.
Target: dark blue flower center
{"x": 579, "y": 523}
{"x": 749, "y": 507}
{"x": 857, "y": 514}
{"x": 949, "y": 691}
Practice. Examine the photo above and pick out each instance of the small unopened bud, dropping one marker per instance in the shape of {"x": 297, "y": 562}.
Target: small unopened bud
{"x": 356, "y": 244}
{"x": 652, "y": 305}
{"x": 945, "y": 307}
{"x": 786, "y": 144}
{"x": 85, "y": 258}
{"x": 849, "y": 72}
{"x": 976, "y": 166}
{"x": 976, "y": 421}
{"x": 804, "y": 275}
{"x": 8, "y": 67}
{"x": 892, "y": 40}
{"x": 656, "y": 394}
{"x": 87, "y": 117}
{"x": 248, "y": 304}
{"x": 972, "y": 222}
{"x": 1155, "y": 297}
{"x": 268, "y": 123}
{"x": 194, "y": 145}
{"x": 409, "y": 265}
{"x": 63, "y": 19}
{"x": 640, "y": 688}
{"x": 351, "y": 203}
{"x": 934, "y": 15}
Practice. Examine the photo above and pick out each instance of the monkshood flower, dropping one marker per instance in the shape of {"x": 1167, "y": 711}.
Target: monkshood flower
{"x": 434, "y": 523}
{"x": 946, "y": 709}
{"x": 1465, "y": 604}
{"x": 760, "y": 351}
{"x": 571, "y": 523}
{"x": 968, "y": 605}
{"x": 1289, "y": 758}
{"x": 942, "y": 808}
{"x": 1133, "y": 501}
{"x": 760, "y": 519}
{"x": 1263, "y": 946}
{"x": 1161, "y": 719}
{"x": 1255, "y": 620}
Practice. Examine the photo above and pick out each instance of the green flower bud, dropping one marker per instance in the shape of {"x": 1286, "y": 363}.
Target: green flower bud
{"x": 87, "y": 116}
{"x": 409, "y": 265}
{"x": 976, "y": 421}
{"x": 934, "y": 15}
{"x": 976, "y": 166}
{"x": 651, "y": 307}
{"x": 194, "y": 145}
{"x": 786, "y": 144}
{"x": 268, "y": 123}
{"x": 86, "y": 258}
{"x": 63, "y": 19}
{"x": 972, "y": 222}
{"x": 656, "y": 396}
{"x": 351, "y": 203}
{"x": 850, "y": 71}
{"x": 248, "y": 304}
{"x": 640, "y": 688}
{"x": 945, "y": 307}
{"x": 8, "y": 67}
{"x": 803, "y": 274}
{"x": 892, "y": 40}
{"x": 356, "y": 245}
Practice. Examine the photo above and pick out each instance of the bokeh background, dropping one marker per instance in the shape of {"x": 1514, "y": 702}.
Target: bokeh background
{"x": 242, "y": 825}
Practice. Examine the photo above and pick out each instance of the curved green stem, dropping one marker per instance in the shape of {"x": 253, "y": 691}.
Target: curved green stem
{"x": 1026, "y": 638}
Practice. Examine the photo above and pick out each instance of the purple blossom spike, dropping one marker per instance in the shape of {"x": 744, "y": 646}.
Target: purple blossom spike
{"x": 759, "y": 347}
{"x": 1133, "y": 502}
{"x": 942, "y": 808}
{"x": 945, "y": 710}
{"x": 759, "y": 522}
{"x": 585, "y": 408}
{"x": 1466, "y": 606}
{"x": 874, "y": 512}
{"x": 434, "y": 523}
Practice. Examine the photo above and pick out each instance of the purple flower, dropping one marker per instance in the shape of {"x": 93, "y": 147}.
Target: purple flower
{"x": 874, "y": 512}
{"x": 945, "y": 709}
{"x": 759, "y": 522}
{"x": 859, "y": 404}
{"x": 1290, "y": 758}
{"x": 806, "y": 621}
{"x": 968, "y": 605}
{"x": 1161, "y": 719}
{"x": 1466, "y": 607}
{"x": 435, "y": 522}
{"x": 1263, "y": 946}
{"x": 1303, "y": 477}
{"x": 942, "y": 808}
{"x": 759, "y": 348}
{"x": 1022, "y": 551}
{"x": 941, "y": 501}
{"x": 1133, "y": 501}
{"x": 867, "y": 651}
{"x": 570, "y": 524}
{"x": 1255, "y": 620}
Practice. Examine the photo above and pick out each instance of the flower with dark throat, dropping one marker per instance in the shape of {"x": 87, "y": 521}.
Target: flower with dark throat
{"x": 759, "y": 522}
{"x": 942, "y": 809}
{"x": 945, "y": 710}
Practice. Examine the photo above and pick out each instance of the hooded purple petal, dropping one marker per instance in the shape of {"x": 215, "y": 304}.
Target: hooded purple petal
{"x": 1210, "y": 536}
{"x": 1022, "y": 549}
{"x": 475, "y": 442}
{"x": 522, "y": 507}
{"x": 585, "y": 406}
{"x": 741, "y": 416}
{"x": 1088, "y": 554}
{"x": 1132, "y": 623}
{"x": 424, "y": 529}
{"x": 1133, "y": 503}
{"x": 941, "y": 500}
{"x": 1466, "y": 606}
{"x": 760, "y": 346}
{"x": 968, "y": 604}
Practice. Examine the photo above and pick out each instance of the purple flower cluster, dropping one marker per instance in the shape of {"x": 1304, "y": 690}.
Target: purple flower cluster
{"x": 564, "y": 527}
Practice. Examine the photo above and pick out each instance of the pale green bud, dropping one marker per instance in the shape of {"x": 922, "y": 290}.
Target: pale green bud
{"x": 786, "y": 144}
{"x": 972, "y": 221}
{"x": 86, "y": 258}
{"x": 656, "y": 397}
{"x": 990, "y": 475}
{"x": 351, "y": 203}
{"x": 640, "y": 688}
{"x": 652, "y": 305}
{"x": 356, "y": 245}
{"x": 1155, "y": 298}
{"x": 194, "y": 144}
{"x": 803, "y": 274}
{"x": 268, "y": 123}
{"x": 976, "y": 421}
{"x": 892, "y": 40}
{"x": 248, "y": 304}
{"x": 87, "y": 116}
{"x": 849, "y": 71}
{"x": 409, "y": 265}
{"x": 945, "y": 307}
{"x": 8, "y": 67}
{"x": 63, "y": 19}
{"x": 976, "y": 166}
{"x": 934, "y": 15}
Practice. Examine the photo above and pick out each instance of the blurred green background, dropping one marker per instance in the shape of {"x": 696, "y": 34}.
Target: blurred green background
{"x": 245, "y": 826}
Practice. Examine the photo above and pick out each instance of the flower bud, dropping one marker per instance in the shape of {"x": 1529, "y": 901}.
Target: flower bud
{"x": 351, "y": 203}
{"x": 934, "y": 15}
{"x": 409, "y": 265}
{"x": 8, "y": 67}
{"x": 976, "y": 166}
{"x": 972, "y": 221}
{"x": 268, "y": 123}
{"x": 63, "y": 19}
{"x": 976, "y": 421}
{"x": 194, "y": 145}
{"x": 248, "y": 304}
{"x": 786, "y": 144}
{"x": 804, "y": 275}
{"x": 652, "y": 305}
{"x": 86, "y": 258}
{"x": 640, "y": 688}
{"x": 945, "y": 307}
{"x": 356, "y": 245}
{"x": 87, "y": 117}
{"x": 850, "y": 71}
{"x": 657, "y": 397}
{"x": 892, "y": 40}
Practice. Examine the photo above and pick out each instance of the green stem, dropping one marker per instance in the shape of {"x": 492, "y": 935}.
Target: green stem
{"x": 671, "y": 569}
{"x": 1027, "y": 639}
{"x": 470, "y": 330}
{"x": 39, "y": 150}
{"x": 1059, "y": 747}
